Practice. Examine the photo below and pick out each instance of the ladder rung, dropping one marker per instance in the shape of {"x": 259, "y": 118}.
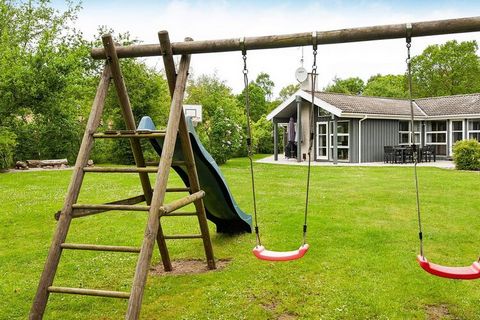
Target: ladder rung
{"x": 178, "y": 189}
{"x": 95, "y": 247}
{"x": 111, "y": 207}
{"x": 182, "y": 202}
{"x": 184, "y": 236}
{"x": 180, "y": 214}
{"x": 129, "y": 134}
{"x": 174, "y": 163}
{"x": 90, "y": 292}
{"x": 121, "y": 169}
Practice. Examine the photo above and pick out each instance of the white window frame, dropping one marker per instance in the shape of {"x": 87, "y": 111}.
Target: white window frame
{"x": 452, "y": 131}
{"x": 468, "y": 128}
{"x": 409, "y": 132}
{"x": 327, "y": 136}
{"x": 435, "y": 132}
{"x": 330, "y": 140}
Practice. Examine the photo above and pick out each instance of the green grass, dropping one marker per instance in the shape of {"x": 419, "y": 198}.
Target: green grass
{"x": 362, "y": 232}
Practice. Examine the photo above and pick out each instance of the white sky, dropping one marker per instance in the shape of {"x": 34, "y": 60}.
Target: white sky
{"x": 204, "y": 20}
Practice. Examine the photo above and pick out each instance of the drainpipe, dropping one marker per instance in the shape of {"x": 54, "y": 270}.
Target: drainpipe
{"x": 360, "y": 138}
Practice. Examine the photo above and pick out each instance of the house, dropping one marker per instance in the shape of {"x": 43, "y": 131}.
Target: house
{"x": 364, "y": 125}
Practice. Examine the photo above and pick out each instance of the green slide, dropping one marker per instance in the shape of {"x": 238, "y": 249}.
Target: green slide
{"x": 220, "y": 206}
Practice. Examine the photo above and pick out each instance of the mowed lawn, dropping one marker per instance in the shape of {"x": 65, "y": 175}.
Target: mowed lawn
{"x": 361, "y": 265}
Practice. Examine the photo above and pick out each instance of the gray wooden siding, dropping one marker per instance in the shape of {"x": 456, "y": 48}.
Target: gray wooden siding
{"x": 376, "y": 134}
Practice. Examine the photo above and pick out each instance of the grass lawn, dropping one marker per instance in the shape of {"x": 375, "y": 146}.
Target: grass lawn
{"x": 361, "y": 264}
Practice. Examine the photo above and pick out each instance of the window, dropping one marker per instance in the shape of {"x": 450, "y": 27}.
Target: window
{"x": 405, "y": 132}
{"x": 474, "y": 129}
{"x": 343, "y": 140}
{"x": 436, "y": 134}
{"x": 457, "y": 131}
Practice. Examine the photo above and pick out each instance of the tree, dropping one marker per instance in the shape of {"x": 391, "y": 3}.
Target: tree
{"x": 42, "y": 83}
{"x": 390, "y": 85}
{"x": 223, "y": 128}
{"x": 258, "y": 101}
{"x": 263, "y": 81}
{"x": 287, "y": 91}
{"x": 447, "y": 69}
{"x": 352, "y": 85}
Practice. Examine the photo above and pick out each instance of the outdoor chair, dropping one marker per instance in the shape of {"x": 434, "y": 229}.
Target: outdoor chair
{"x": 428, "y": 153}
{"x": 388, "y": 154}
{"x": 408, "y": 154}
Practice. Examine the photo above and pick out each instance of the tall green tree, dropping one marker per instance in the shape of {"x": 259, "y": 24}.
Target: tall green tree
{"x": 264, "y": 81}
{"x": 258, "y": 101}
{"x": 446, "y": 69}
{"x": 223, "y": 128}
{"x": 287, "y": 91}
{"x": 389, "y": 85}
{"x": 352, "y": 85}
{"x": 43, "y": 65}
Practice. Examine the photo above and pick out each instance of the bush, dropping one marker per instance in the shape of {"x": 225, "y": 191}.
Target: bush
{"x": 466, "y": 155}
{"x": 7, "y": 147}
{"x": 262, "y": 134}
{"x": 224, "y": 136}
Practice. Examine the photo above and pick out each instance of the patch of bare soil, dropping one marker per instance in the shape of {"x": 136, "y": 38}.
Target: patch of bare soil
{"x": 191, "y": 266}
{"x": 437, "y": 312}
{"x": 287, "y": 316}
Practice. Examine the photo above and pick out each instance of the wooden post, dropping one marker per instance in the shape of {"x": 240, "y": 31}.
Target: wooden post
{"x": 275, "y": 140}
{"x": 298, "y": 99}
{"x": 187, "y": 150}
{"x": 127, "y": 113}
{"x": 153, "y": 224}
{"x": 48, "y": 274}
{"x": 382, "y": 32}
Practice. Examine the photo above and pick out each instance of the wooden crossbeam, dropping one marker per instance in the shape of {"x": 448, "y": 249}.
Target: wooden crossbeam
{"x": 180, "y": 203}
{"x": 381, "y": 32}
{"x": 96, "y": 247}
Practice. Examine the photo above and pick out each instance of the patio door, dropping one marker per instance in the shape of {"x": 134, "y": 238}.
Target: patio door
{"x": 322, "y": 140}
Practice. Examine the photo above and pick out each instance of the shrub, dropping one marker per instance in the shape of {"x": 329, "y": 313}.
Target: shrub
{"x": 262, "y": 134}
{"x": 466, "y": 155}
{"x": 7, "y": 147}
{"x": 224, "y": 136}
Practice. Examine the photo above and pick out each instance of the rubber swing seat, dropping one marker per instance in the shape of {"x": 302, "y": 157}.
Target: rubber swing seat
{"x": 463, "y": 273}
{"x": 261, "y": 253}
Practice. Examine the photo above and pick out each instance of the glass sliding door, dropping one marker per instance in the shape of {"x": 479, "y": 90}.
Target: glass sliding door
{"x": 322, "y": 140}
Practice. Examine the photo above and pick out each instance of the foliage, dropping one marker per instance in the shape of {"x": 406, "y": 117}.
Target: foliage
{"x": 447, "y": 69}
{"x": 262, "y": 136}
{"x": 263, "y": 81}
{"x": 42, "y": 83}
{"x": 352, "y": 85}
{"x": 466, "y": 154}
{"x": 287, "y": 91}
{"x": 390, "y": 86}
{"x": 224, "y": 136}
{"x": 7, "y": 147}
{"x": 258, "y": 101}
{"x": 149, "y": 95}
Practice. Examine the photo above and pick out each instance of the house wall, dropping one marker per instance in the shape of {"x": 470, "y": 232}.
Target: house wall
{"x": 377, "y": 133}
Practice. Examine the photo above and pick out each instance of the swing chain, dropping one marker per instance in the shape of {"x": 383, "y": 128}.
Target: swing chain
{"x": 412, "y": 133}
{"x": 249, "y": 136}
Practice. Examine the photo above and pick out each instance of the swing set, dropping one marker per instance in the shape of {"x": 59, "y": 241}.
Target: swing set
{"x": 177, "y": 130}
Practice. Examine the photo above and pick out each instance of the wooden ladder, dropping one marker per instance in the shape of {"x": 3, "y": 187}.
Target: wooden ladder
{"x": 155, "y": 207}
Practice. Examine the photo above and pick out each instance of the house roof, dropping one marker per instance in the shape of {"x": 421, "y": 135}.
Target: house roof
{"x": 344, "y": 105}
{"x": 467, "y": 104}
{"x": 369, "y": 105}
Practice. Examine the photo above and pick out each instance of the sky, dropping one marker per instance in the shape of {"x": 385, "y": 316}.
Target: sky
{"x": 207, "y": 20}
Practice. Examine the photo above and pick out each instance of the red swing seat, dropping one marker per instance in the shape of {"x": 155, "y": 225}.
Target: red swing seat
{"x": 463, "y": 273}
{"x": 261, "y": 253}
